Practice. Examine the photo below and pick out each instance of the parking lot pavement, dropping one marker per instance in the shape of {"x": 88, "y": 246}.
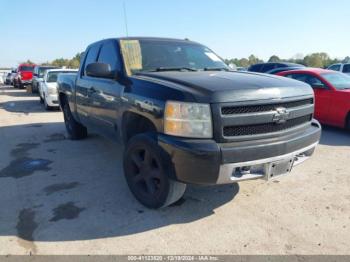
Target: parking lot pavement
{"x": 69, "y": 197}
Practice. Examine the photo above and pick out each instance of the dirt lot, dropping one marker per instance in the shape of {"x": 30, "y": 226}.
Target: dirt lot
{"x": 63, "y": 197}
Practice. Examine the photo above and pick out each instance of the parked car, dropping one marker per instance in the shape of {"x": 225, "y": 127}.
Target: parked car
{"x": 282, "y": 69}
{"x": 332, "y": 94}
{"x": 3, "y": 75}
{"x": 13, "y": 74}
{"x": 38, "y": 75}
{"x": 272, "y": 68}
{"x": 48, "y": 87}
{"x": 344, "y": 68}
{"x": 24, "y": 75}
{"x": 8, "y": 79}
{"x": 215, "y": 126}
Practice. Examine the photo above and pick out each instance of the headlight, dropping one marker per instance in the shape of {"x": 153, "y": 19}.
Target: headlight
{"x": 52, "y": 90}
{"x": 188, "y": 120}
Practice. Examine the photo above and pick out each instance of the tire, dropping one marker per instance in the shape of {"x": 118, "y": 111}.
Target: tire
{"x": 75, "y": 130}
{"x": 347, "y": 123}
{"x": 147, "y": 168}
{"x": 47, "y": 107}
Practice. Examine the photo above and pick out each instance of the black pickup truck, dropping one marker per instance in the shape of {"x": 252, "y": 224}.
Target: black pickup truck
{"x": 185, "y": 117}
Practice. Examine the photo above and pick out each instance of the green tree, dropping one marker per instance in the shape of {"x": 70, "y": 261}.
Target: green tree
{"x": 244, "y": 62}
{"x": 274, "y": 59}
{"x": 346, "y": 59}
{"x": 28, "y": 62}
{"x": 254, "y": 60}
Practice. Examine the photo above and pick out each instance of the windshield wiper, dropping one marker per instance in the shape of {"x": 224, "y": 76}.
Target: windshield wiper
{"x": 163, "y": 69}
{"x": 216, "y": 69}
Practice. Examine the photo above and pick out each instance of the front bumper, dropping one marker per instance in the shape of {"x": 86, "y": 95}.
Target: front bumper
{"x": 25, "y": 82}
{"x": 52, "y": 100}
{"x": 206, "y": 162}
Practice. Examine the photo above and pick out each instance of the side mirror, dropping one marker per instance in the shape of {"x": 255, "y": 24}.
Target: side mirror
{"x": 100, "y": 70}
{"x": 318, "y": 86}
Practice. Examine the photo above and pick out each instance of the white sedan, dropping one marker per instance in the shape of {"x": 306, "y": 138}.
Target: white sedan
{"x": 48, "y": 87}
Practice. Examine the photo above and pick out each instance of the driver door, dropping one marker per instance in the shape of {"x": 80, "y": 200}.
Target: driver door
{"x": 322, "y": 95}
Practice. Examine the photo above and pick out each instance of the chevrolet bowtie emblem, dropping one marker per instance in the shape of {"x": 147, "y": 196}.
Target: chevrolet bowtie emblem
{"x": 281, "y": 116}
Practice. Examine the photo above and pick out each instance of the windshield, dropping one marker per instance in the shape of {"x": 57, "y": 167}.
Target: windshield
{"x": 338, "y": 80}
{"x": 52, "y": 76}
{"x": 27, "y": 68}
{"x": 163, "y": 55}
{"x": 42, "y": 70}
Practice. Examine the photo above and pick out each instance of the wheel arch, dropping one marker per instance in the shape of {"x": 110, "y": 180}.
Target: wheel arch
{"x": 134, "y": 124}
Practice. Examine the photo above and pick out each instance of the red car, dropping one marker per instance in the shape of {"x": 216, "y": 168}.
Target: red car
{"x": 24, "y": 75}
{"x": 332, "y": 94}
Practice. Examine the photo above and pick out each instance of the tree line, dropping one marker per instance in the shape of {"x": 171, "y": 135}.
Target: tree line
{"x": 62, "y": 62}
{"x": 320, "y": 60}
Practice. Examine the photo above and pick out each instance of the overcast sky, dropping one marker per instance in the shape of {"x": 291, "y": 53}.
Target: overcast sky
{"x": 42, "y": 30}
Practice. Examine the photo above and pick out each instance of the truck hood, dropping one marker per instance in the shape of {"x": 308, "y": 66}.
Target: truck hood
{"x": 213, "y": 87}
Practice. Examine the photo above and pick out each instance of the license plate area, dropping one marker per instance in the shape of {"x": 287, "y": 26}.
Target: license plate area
{"x": 279, "y": 168}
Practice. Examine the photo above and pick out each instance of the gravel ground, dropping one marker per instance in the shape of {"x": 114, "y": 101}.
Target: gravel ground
{"x": 69, "y": 197}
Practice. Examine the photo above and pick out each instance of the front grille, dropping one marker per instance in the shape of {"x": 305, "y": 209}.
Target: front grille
{"x": 265, "y": 128}
{"x": 230, "y": 110}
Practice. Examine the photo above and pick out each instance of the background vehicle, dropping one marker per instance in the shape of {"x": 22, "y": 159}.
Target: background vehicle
{"x": 344, "y": 68}
{"x": 13, "y": 74}
{"x": 202, "y": 124}
{"x": 24, "y": 75}
{"x": 3, "y": 75}
{"x": 272, "y": 68}
{"x": 38, "y": 75}
{"x": 8, "y": 79}
{"x": 48, "y": 87}
{"x": 332, "y": 94}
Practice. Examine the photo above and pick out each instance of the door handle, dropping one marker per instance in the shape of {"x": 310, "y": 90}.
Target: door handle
{"x": 91, "y": 90}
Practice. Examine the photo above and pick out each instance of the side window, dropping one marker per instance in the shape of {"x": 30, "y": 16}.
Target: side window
{"x": 109, "y": 55}
{"x": 312, "y": 81}
{"x": 346, "y": 68}
{"x": 299, "y": 77}
{"x": 335, "y": 67}
{"x": 308, "y": 79}
{"x": 269, "y": 67}
{"x": 255, "y": 68}
{"x": 91, "y": 55}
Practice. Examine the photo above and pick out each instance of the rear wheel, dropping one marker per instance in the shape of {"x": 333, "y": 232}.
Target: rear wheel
{"x": 74, "y": 129}
{"x": 147, "y": 168}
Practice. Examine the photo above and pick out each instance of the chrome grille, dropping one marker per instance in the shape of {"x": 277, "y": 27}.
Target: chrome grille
{"x": 257, "y": 120}
{"x": 230, "y": 110}
{"x": 265, "y": 128}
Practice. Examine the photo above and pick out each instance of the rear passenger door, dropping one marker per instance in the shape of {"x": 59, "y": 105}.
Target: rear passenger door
{"x": 106, "y": 93}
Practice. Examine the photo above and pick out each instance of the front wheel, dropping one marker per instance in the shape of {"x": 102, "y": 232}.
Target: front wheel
{"x": 47, "y": 107}
{"x": 347, "y": 124}
{"x": 147, "y": 168}
{"x": 74, "y": 129}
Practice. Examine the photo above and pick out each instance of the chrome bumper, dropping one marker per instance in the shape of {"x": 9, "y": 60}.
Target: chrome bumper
{"x": 263, "y": 168}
